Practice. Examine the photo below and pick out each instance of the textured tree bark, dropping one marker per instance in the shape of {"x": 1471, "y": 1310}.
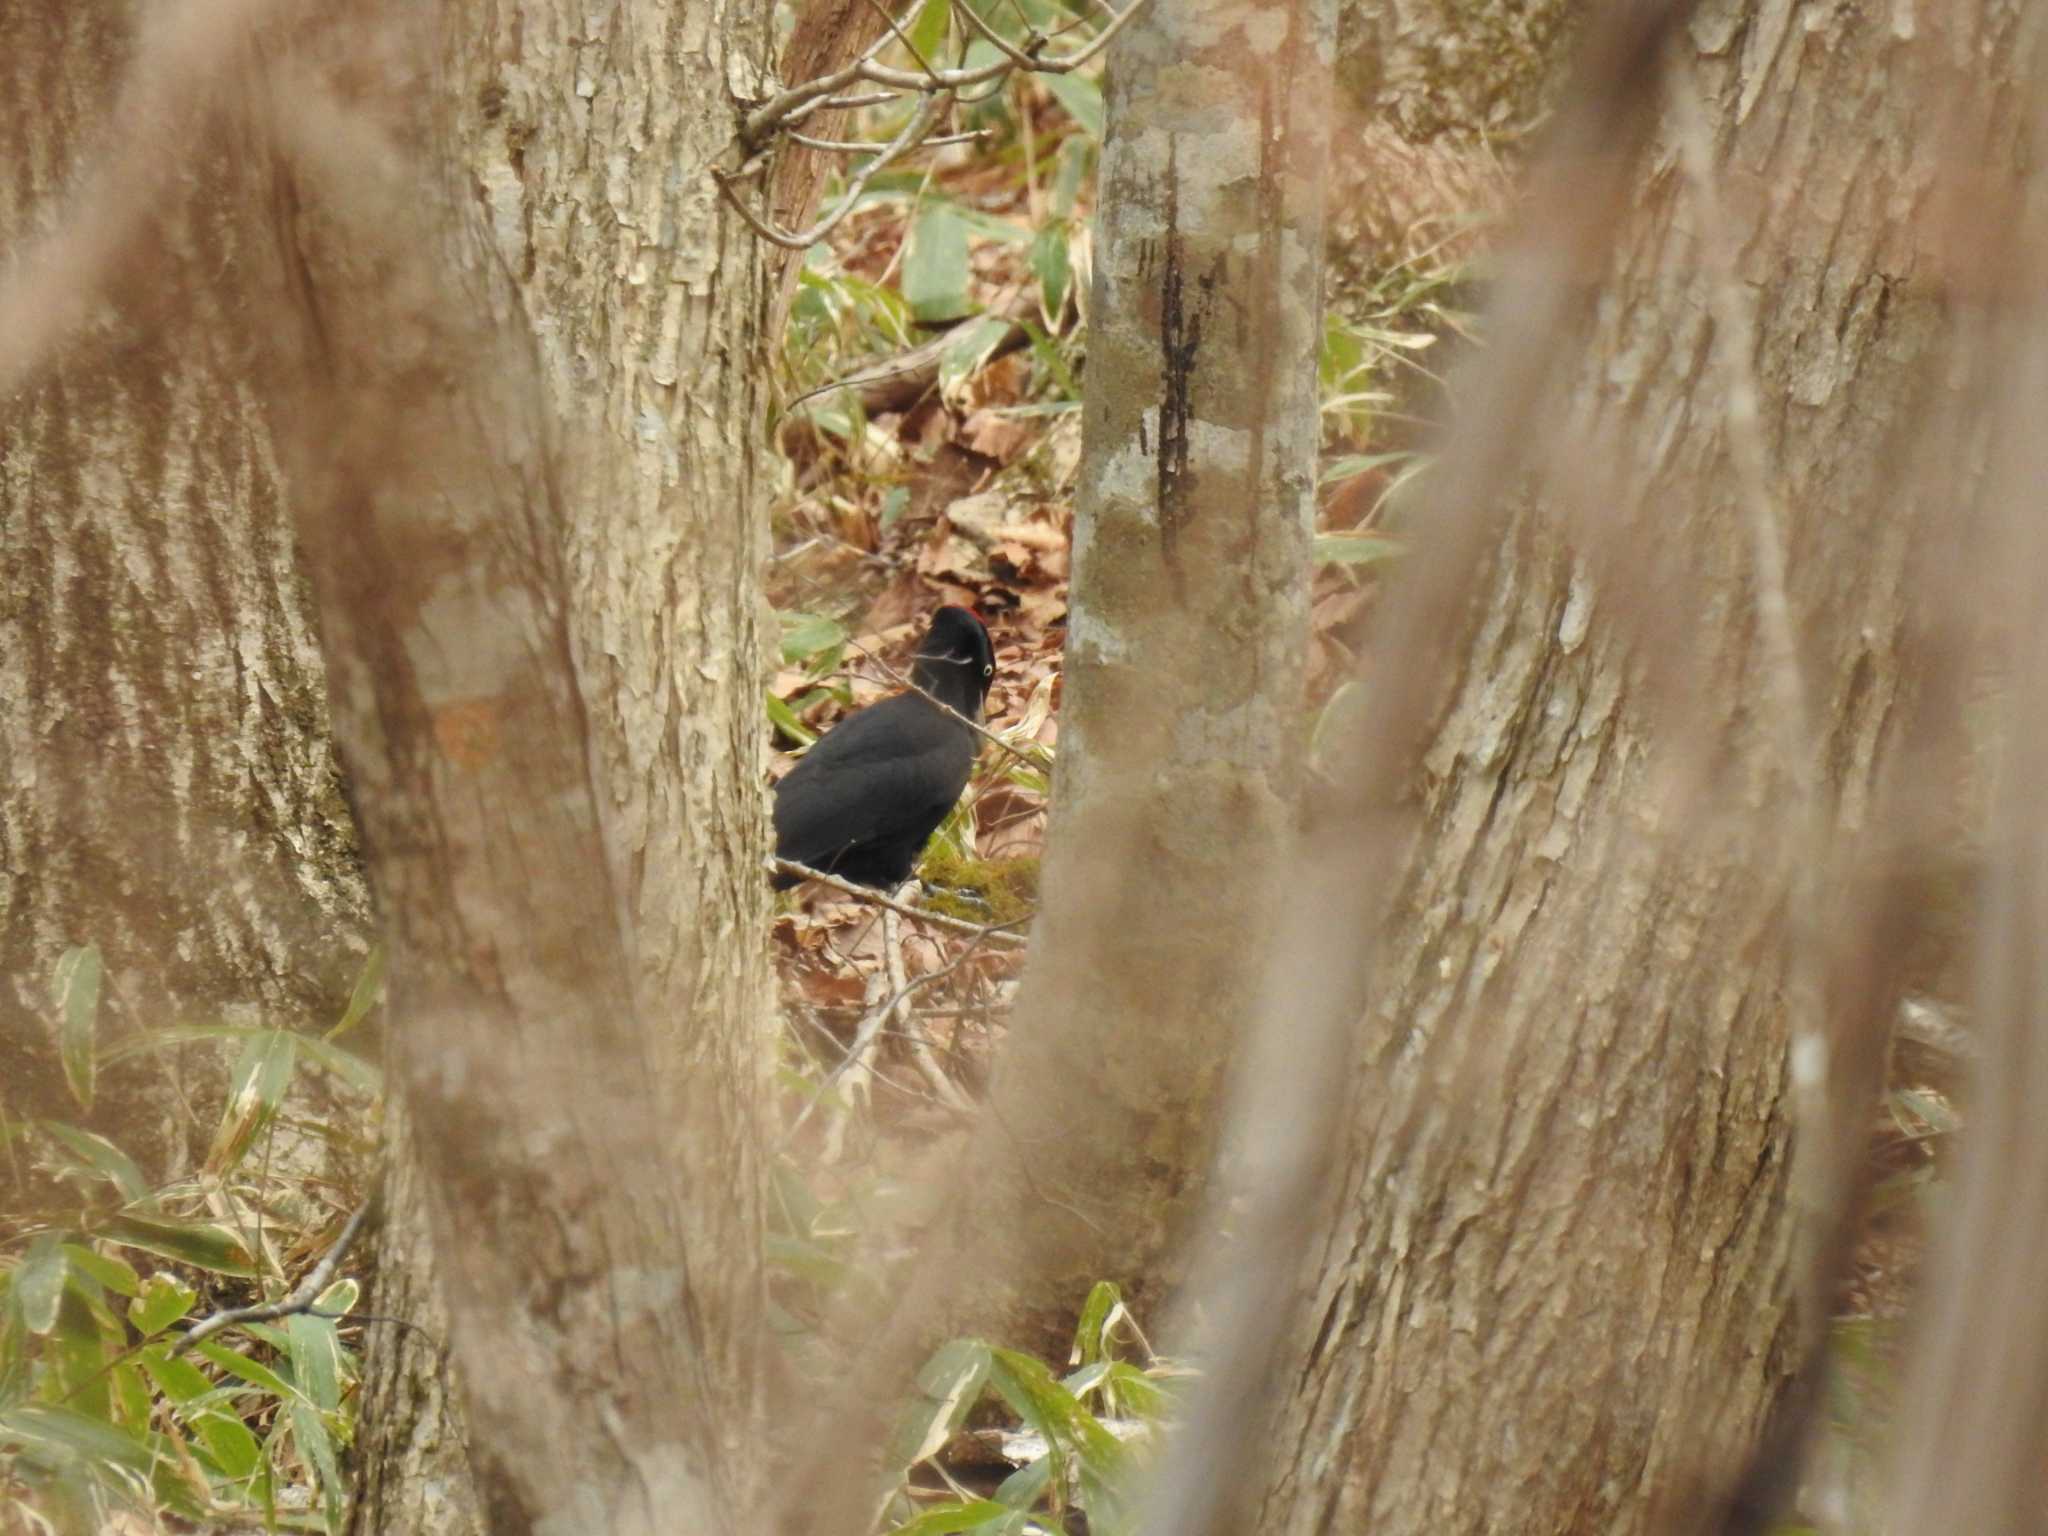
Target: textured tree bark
{"x": 1183, "y": 662}
{"x": 411, "y": 1464}
{"x": 1556, "y": 1294}
{"x": 528, "y": 341}
{"x": 1463, "y": 70}
{"x": 1436, "y": 99}
{"x": 590, "y": 142}
{"x": 168, "y": 790}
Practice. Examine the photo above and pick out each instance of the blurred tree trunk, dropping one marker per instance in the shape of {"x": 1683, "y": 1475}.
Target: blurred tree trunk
{"x": 168, "y": 790}
{"x": 526, "y": 382}
{"x": 1557, "y": 1292}
{"x": 1180, "y": 722}
{"x": 1452, "y": 70}
{"x": 1971, "y": 1437}
{"x": 1436, "y": 98}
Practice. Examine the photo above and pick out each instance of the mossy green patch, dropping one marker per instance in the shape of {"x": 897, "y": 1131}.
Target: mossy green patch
{"x": 979, "y": 890}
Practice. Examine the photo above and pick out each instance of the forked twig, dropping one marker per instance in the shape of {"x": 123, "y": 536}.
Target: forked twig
{"x": 938, "y": 87}
{"x": 301, "y": 1299}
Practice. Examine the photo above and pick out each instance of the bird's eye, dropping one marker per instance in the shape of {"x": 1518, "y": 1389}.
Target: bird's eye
{"x": 988, "y": 670}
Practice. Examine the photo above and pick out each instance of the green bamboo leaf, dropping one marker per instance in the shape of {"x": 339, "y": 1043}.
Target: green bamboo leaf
{"x": 1351, "y": 465}
{"x": 1071, "y": 171}
{"x": 115, "y": 1274}
{"x": 1125, "y": 1389}
{"x": 163, "y": 1301}
{"x": 235, "y": 1363}
{"x": 1355, "y": 548}
{"x": 131, "y": 1398}
{"x": 315, "y": 1352}
{"x": 784, "y": 719}
{"x": 1052, "y": 264}
{"x": 338, "y": 1300}
{"x": 68, "y": 1430}
{"x": 1081, "y": 97}
{"x": 39, "y": 1282}
{"x": 1033, "y": 1393}
{"x": 363, "y": 997}
{"x": 78, "y": 1010}
{"x": 948, "y": 1388}
{"x": 979, "y": 1515}
{"x": 968, "y": 350}
{"x": 228, "y": 1441}
{"x": 1087, "y": 1378}
{"x": 935, "y": 272}
{"x": 206, "y": 1408}
{"x": 807, "y": 636}
{"x": 169, "y": 1036}
{"x": 98, "y": 1157}
{"x": 344, "y": 1064}
{"x": 991, "y": 226}
{"x": 199, "y": 1243}
{"x": 1104, "y": 1302}
{"x": 141, "y": 1467}
{"x": 927, "y": 30}
{"x": 1023, "y": 1488}
{"x": 317, "y": 1446}
{"x": 176, "y": 1377}
{"x": 255, "y": 1090}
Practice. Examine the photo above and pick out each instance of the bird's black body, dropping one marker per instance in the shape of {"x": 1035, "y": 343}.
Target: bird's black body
{"x": 864, "y": 800}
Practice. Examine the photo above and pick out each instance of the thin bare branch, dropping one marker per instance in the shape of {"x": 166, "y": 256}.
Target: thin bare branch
{"x": 996, "y": 933}
{"x": 914, "y": 132}
{"x": 301, "y": 1299}
{"x": 871, "y": 147}
{"x": 908, "y": 46}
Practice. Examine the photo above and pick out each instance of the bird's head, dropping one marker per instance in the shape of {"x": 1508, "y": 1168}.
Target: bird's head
{"x": 955, "y": 661}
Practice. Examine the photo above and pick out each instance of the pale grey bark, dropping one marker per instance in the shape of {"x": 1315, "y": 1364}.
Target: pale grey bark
{"x": 1180, "y": 727}
{"x": 167, "y": 786}
{"x": 1558, "y": 1291}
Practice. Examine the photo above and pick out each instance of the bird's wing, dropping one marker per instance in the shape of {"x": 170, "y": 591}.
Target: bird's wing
{"x": 890, "y": 771}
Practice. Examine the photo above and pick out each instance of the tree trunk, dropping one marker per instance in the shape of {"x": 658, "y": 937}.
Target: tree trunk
{"x": 412, "y": 1469}
{"x": 168, "y": 790}
{"x": 1454, "y": 70}
{"x": 1183, "y": 678}
{"x": 1437, "y": 99}
{"x": 1557, "y": 1291}
{"x": 649, "y": 320}
{"x": 1971, "y": 1435}
{"x": 527, "y": 345}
